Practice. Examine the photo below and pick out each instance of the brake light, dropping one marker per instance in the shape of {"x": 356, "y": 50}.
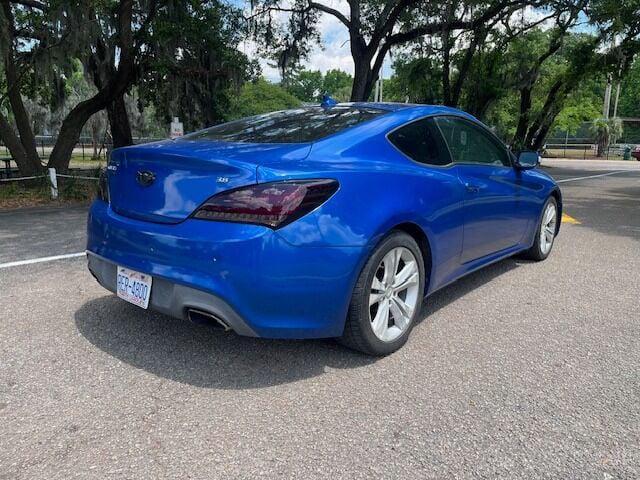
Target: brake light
{"x": 274, "y": 204}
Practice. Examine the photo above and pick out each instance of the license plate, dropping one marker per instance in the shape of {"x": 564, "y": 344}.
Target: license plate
{"x": 134, "y": 287}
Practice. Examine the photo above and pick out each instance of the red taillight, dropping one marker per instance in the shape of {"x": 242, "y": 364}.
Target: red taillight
{"x": 272, "y": 204}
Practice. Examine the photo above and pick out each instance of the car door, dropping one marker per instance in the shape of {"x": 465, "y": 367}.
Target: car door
{"x": 493, "y": 217}
{"x": 438, "y": 191}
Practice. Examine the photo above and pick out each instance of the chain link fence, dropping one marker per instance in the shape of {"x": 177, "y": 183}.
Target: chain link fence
{"x": 585, "y": 149}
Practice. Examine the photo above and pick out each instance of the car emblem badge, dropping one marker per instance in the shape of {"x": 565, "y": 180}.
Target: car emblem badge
{"x": 145, "y": 177}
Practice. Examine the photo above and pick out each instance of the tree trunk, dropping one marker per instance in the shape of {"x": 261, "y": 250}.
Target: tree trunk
{"x": 27, "y": 155}
{"x": 446, "y": 68}
{"x": 94, "y": 138}
{"x": 119, "y": 122}
{"x": 523, "y": 118}
{"x": 18, "y": 153}
{"x": 537, "y": 142}
{"x": 69, "y": 135}
{"x": 78, "y": 117}
{"x": 362, "y": 81}
{"x": 482, "y": 106}
{"x": 539, "y": 128}
{"x": 117, "y": 84}
{"x": 463, "y": 70}
{"x": 23, "y": 123}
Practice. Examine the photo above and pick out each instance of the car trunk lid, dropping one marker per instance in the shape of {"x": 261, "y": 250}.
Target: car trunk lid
{"x": 166, "y": 181}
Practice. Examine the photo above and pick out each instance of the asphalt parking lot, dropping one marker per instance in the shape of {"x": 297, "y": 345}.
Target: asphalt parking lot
{"x": 521, "y": 370}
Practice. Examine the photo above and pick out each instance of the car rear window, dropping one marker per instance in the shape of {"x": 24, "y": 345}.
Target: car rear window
{"x": 301, "y": 125}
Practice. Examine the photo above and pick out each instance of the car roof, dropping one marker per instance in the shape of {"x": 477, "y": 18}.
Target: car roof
{"x": 418, "y": 108}
{"x": 404, "y": 112}
{"x": 393, "y": 115}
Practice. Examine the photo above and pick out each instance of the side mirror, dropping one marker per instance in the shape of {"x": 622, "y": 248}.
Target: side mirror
{"x": 527, "y": 160}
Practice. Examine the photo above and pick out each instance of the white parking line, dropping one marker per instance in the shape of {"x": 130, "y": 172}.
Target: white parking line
{"x": 41, "y": 260}
{"x": 593, "y": 176}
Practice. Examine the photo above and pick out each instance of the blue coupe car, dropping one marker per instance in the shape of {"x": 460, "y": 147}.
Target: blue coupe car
{"x": 321, "y": 221}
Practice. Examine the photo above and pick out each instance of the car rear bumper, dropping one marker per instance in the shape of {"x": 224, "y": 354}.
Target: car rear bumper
{"x": 247, "y": 275}
{"x": 171, "y": 298}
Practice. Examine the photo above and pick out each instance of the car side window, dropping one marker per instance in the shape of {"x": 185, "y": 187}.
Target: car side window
{"x": 421, "y": 141}
{"x": 470, "y": 144}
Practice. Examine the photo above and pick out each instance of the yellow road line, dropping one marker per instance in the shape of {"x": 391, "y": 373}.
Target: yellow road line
{"x": 568, "y": 219}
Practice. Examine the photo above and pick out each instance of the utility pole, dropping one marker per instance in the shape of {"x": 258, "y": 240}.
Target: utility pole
{"x": 607, "y": 99}
{"x": 615, "y": 104}
{"x": 378, "y": 93}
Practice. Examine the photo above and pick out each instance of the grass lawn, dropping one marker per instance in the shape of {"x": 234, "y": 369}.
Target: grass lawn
{"x": 78, "y": 162}
{"x": 38, "y": 192}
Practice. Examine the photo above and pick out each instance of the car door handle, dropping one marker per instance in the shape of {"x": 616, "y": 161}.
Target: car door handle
{"x": 472, "y": 188}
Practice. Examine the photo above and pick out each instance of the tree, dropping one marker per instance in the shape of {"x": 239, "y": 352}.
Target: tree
{"x": 587, "y": 58}
{"x": 604, "y": 130}
{"x": 260, "y": 96}
{"x": 182, "y": 53}
{"x": 192, "y": 64}
{"x": 583, "y": 105}
{"x": 77, "y": 89}
{"x": 550, "y": 84}
{"x": 374, "y": 27}
{"x": 41, "y": 39}
{"x": 20, "y": 140}
{"x": 629, "y": 103}
{"x": 419, "y": 80}
{"x": 310, "y": 85}
{"x": 337, "y": 84}
{"x": 307, "y": 85}
{"x": 439, "y": 68}
{"x": 488, "y": 81}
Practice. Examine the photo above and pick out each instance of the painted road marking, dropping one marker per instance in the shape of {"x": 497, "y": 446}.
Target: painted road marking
{"x": 569, "y": 219}
{"x": 593, "y": 176}
{"x": 41, "y": 260}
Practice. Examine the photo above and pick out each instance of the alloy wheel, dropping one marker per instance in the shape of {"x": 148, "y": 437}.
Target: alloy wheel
{"x": 394, "y": 295}
{"x": 548, "y": 228}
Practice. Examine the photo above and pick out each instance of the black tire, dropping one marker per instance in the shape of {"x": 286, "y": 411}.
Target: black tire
{"x": 536, "y": 252}
{"x": 358, "y": 331}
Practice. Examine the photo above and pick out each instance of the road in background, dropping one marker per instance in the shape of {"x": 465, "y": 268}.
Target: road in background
{"x": 519, "y": 370}
{"x": 585, "y": 166}
{"x": 609, "y": 204}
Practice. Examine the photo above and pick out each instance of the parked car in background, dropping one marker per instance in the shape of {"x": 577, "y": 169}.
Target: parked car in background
{"x": 331, "y": 221}
{"x": 635, "y": 153}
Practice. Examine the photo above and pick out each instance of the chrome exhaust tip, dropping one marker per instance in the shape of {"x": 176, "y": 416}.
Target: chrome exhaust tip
{"x": 200, "y": 317}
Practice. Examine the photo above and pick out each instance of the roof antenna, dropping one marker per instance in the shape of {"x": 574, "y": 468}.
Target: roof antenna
{"x": 327, "y": 101}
